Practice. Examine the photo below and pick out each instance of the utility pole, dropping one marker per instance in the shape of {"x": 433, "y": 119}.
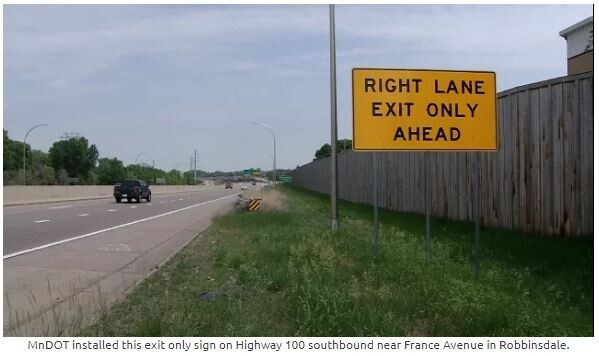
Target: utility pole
{"x": 195, "y": 166}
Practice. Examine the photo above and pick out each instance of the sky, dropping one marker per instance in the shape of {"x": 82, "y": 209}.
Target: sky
{"x": 157, "y": 82}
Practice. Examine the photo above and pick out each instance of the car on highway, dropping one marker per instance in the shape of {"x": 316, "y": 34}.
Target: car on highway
{"x": 132, "y": 189}
{"x": 228, "y": 185}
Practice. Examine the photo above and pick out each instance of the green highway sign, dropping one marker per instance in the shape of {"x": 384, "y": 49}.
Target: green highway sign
{"x": 286, "y": 179}
{"x": 248, "y": 172}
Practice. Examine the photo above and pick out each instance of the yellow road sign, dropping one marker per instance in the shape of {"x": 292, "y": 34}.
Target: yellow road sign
{"x": 428, "y": 110}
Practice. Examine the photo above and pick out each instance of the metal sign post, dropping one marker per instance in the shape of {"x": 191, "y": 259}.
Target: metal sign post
{"x": 375, "y": 203}
{"x": 334, "y": 210}
{"x": 477, "y": 215}
{"x": 427, "y": 234}
{"x": 425, "y": 110}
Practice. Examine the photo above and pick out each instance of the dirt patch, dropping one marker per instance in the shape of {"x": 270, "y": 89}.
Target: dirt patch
{"x": 271, "y": 199}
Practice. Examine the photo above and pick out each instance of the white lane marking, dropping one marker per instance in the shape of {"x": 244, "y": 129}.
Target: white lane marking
{"x": 134, "y": 206}
{"x": 172, "y": 201}
{"x": 115, "y": 248}
{"x": 110, "y": 228}
{"x": 180, "y": 198}
{"x": 111, "y": 210}
{"x": 41, "y": 221}
{"x": 83, "y": 215}
{"x": 60, "y": 207}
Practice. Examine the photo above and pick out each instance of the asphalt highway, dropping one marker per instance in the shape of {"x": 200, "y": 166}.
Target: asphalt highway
{"x": 30, "y": 226}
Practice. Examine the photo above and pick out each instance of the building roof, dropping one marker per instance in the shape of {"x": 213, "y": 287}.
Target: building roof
{"x": 576, "y": 26}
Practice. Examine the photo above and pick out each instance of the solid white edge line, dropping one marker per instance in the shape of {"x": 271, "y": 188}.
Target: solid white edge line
{"x": 18, "y": 253}
{"x": 41, "y": 221}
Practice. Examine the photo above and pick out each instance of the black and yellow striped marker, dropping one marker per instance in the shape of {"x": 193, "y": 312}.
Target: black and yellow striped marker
{"x": 254, "y": 204}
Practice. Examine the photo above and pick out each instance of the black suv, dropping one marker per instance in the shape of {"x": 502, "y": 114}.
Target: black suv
{"x": 132, "y": 189}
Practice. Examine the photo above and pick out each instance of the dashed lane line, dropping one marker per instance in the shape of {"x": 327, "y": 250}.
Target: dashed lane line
{"x": 18, "y": 253}
{"x": 41, "y": 221}
{"x": 60, "y": 207}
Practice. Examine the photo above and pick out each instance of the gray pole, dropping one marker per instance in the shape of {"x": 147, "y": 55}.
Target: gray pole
{"x": 375, "y": 203}
{"x": 27, "y": 134}
{"x": 274, "y": 160}
{"x": 195, "y": 165}
{"x": 334, "y": 209}
{"x": 477, "y": 215}
{"x": 136, "y": 158}
{"x": 274, "y": 143}
{"x": 427, "y": 236}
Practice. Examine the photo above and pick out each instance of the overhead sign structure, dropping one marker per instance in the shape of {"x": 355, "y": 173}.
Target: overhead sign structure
{"x": 248, "y": 172}
{"x": 424, "y": 110}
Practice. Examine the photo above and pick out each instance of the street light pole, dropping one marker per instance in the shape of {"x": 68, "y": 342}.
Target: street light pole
{"x": 274, "y": 142}
{"x": 24, "y": 146}
{"x": 137, "y": 157}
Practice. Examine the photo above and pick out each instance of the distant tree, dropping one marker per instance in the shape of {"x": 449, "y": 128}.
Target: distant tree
{"x": 74, "y": 155}
{"x": 38, "y": 171}
{"x": 344, "y": 145}
{"x": 13, "y": 154}
{"x": 110, "y": 171}
{"x": 174, "y": 177}
{"x": 325, "y": 150}
{"x": 39, "y": 159}
{"x": 44, "y": 176}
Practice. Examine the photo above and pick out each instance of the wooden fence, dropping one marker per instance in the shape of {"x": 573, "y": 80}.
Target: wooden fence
{"x": 540, "y": 180}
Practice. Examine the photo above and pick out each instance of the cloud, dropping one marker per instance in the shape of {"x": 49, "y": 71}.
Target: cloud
{"x": 74, "y": 44}
{"x": 207, "y": 70}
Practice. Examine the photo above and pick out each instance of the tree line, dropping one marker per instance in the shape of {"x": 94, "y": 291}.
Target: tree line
{"x": 325, "y": 150}
{"x": 74, "y": 161}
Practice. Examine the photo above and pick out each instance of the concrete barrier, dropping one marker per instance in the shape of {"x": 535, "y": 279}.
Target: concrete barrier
{"x": 35, "y": 194}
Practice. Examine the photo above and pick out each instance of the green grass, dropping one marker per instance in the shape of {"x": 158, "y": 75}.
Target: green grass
{"x": 285, "y": 274}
